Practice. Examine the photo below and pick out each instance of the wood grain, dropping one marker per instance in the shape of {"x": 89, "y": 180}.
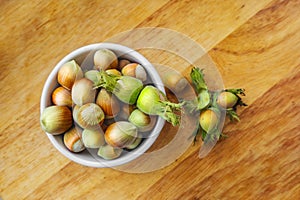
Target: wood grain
{"x": 255, "y": 44}
{"x": 258, "y": 161}
{"x": 51, "y": 31}
{"x": 261, "y": 49}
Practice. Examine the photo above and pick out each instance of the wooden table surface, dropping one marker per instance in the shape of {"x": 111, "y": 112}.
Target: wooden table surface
{"x": 254, "y": 44}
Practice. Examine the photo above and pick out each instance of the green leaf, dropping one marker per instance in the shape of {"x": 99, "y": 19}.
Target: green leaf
{"x": 209, "y": 142}
{"x": 197, "y": 77}
{"x": 195, "y": 133}
{"x": 191, "y": 106}
{"x": 203, "y": 134}
{"x": 237, "y": 91}
{"x": 108, "y": 81}
{"x": 224, "y": 135}
{"x": 232, "y": 114}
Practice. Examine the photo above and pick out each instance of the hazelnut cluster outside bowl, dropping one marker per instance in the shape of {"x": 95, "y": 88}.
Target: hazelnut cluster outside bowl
{"x": 80, "y": 55}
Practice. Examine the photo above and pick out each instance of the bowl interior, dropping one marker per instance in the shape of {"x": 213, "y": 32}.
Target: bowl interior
{"x": 81, "y": 55}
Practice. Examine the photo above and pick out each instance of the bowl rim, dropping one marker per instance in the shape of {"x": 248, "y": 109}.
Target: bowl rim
{"x": 155, "y": 77}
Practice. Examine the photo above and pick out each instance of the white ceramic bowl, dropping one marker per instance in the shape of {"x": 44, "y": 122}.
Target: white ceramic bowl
{"x": 86, "y": 157}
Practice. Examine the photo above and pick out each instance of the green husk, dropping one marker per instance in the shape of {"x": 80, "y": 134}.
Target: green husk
{"x": 125, "y": 88}
{"x": 209, "y": 100}
{"x": 153, "y": 102}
